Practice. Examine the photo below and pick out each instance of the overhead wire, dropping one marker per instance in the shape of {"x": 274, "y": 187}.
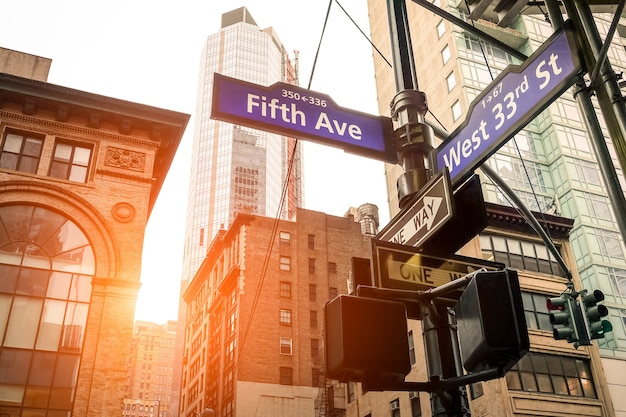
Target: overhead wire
{"x": 292, "y": 158}
{"x": 532, "y": 189}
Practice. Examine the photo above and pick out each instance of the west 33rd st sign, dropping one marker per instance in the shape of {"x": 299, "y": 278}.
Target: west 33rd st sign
{"x": 509, "y": 103}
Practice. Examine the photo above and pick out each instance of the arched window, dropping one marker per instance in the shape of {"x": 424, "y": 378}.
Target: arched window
{"x": 46, "y": 268}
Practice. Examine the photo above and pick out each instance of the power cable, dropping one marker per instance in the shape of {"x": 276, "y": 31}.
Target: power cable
{"x": 532, "y": 189}
{"x": 270, "y": 246}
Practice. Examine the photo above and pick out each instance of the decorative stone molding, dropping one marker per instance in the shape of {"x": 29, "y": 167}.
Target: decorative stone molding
{"x": 123, "y": 212}
{"x": 123, "y": 158}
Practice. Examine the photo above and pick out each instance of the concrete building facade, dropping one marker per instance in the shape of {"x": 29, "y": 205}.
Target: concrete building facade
{"x": 79, "y": 175}
{"x": 254, "y": 333}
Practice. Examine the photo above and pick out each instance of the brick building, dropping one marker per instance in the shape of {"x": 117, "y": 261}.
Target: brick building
{"x": 150, "y": 370}
{"x": 79, "y": 175}
{"x": 253, "y": 339}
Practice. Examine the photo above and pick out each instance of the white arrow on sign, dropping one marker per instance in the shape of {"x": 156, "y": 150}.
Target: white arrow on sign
{"x": 428, "y": 211}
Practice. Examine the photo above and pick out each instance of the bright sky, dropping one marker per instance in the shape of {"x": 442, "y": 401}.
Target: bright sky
{"x": 147, "y": 51}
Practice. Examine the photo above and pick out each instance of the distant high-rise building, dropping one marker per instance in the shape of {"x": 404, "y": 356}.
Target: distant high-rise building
{"x": 551, "y": 164}
{"x": 150, "y": 370}
{"x": 237, "y": 169}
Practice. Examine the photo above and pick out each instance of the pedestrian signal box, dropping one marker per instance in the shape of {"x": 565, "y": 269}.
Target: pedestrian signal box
{"x": 491, "y": 323}
{"x": 366, "y": 340}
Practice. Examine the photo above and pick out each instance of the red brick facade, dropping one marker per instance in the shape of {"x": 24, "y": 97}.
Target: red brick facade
{"x": 130, "y": 149}
{"x": 267, "y": 307}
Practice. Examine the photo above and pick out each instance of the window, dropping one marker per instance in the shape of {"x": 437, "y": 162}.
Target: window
{"x": 311, "y": 266}
{"x": 519, "y": 254}
{"x": 332, "y": 268}
{"x": 552, "y": 374}
{"x": 332, "y": 293}
{"x": 411, "y": 348}
{"x": 313, "y": 319}
{"x": 395, "y": 407}
{"x": 285, "y": 289}
{"x": 456, "y": 110}
{"x": 285, "y": 263}
{"x": 476, "y": 390}
{"x": 21, "y": 151}
{"x": 441, "y": 29}
{"x": 285, "y": 346}
{"x": 416, "y": 407}
{"x": 45, "y": 288}
{"x": 311, "y": 241}
{"x": 445, "y": 54}
{"x": 617, "y": 277}
{"x": 451, "y": 81}
{"x": 312, "y": 292}
{"x": 316, "y": 377}
{"x": 285, "y": 317}
{"x": 315, "y": 348}
{"x": 351, "y": 388}
{"x": 285, "y": 376}
{"x": 536, "y": 311}
{"x": 285, "y": 237}
{"x": 70, "y": 162}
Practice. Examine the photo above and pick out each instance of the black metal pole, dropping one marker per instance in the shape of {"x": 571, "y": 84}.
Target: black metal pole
{"x": 414, "y": 140}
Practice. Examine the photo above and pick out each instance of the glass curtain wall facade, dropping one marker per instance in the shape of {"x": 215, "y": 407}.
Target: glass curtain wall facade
{"x": 236, "y": 168}
{"x": 550, "y": 164}
{"x": 552, "y": 167}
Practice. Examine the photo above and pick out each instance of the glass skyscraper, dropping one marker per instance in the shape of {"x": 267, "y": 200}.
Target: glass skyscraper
{"x": 550, "y": 164}
{"x": 236, "y": 169}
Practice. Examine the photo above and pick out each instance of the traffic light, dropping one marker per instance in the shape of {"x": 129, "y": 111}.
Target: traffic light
{"x": 563, "y": 317}
{"x": 593, "y": 313}
{"x": 491, "y": 322}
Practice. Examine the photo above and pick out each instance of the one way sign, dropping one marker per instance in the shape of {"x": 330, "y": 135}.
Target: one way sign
{"x": 431, "y": 208}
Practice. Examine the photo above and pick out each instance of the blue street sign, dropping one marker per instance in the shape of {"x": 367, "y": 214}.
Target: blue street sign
{"x": 292, "y": 111}
{"x": 510, "y": 102}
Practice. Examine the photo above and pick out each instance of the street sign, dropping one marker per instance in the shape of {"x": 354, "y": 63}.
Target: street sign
{"x": 292, "y": 111}
{"x": 429, "y": 210}
{"x": 470, "y": 218}
{"x": 510, "y": 102}
{"x": 403, "y": 267}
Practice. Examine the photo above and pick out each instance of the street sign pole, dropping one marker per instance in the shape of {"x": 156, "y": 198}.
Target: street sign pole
{"x": 415, "y": 141}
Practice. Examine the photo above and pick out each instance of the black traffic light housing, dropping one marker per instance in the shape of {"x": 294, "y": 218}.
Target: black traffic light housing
{"x": 491, "y": 323}
{"x": 563, "y": 317}
{"x": 366, "y": 340}
{"x": 593, "y": 313}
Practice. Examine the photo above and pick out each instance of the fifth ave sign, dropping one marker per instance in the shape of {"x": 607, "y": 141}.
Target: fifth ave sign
{"x": 296, "y": 112}
{"x": 430, "y": 209}
{"x": 510, "y": 102}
